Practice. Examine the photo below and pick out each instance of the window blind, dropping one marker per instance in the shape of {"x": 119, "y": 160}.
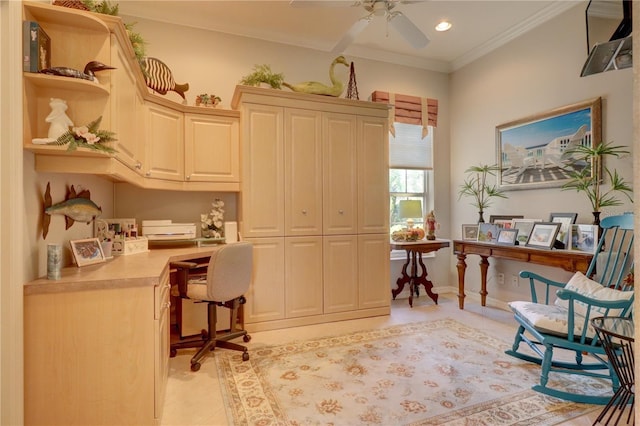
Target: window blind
{"x": 408, "y": 149}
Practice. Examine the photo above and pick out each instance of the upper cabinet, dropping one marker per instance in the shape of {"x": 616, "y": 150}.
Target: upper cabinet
{"x": 160, "y": 144}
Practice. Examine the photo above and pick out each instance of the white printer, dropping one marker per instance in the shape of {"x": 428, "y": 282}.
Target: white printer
{"x": 167, "y": 230}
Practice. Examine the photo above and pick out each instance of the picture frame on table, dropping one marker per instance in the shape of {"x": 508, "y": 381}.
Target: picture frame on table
{"x": 488, "y": 232}
{"x": 543, "y": 235}
{"x": 531, "y": 152}
{"x": 87, "y": 251}
{"x": 565, "y": 220}
{"x": 503, "y": 217}
{"x": 507, "y": 236}
{"x": 524, "y": 227}
{"x": 470, "y": 232}
{"x": 584, "y": 238}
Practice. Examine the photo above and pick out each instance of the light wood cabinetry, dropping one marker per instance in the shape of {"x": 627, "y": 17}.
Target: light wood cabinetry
{"x": 315, "y": 198}
{"x": 160, "y": 144}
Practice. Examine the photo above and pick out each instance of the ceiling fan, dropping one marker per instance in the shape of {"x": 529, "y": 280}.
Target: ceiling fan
{"x": 375, "y": 8}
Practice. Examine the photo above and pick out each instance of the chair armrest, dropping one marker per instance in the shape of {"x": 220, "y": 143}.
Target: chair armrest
{"x": 182, "y": 276}
{"x": 184, "y": 265}
{"x": 566, "y": 294}
{"x": 533, "y": 278}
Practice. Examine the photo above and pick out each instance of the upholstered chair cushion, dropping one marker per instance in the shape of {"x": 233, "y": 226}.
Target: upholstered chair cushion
{"x": 594, "y": 290}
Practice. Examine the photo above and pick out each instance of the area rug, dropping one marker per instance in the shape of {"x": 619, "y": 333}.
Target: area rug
{"x": 439, "y": 372}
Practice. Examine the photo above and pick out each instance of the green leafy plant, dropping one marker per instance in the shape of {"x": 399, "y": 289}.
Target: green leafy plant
{"x": 591, "y": 159}
{"x": 476, "y": 186}
{"x": 88, "y": 136}
{"x": 263, "y": 74}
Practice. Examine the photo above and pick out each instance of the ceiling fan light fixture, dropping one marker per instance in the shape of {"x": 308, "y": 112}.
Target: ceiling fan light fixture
{"x": 443, "y": 26}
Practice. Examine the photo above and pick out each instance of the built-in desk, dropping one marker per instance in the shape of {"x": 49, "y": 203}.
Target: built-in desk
{"x": 571, "y": 261}
{"x": 96, "y": 342}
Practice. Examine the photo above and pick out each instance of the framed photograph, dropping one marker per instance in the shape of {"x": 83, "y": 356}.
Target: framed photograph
{"x": 543, "y": 235}
{"x": 534, "y": 152}
{"x": 507, "y": 236}
{"x": 488, "y": 232}
{"x": 565, "y": 220}
{"x": 584, "y": 238}
{"x": 87, "y": 252}
{"x": 470, "y": 232}
{"x": 503, "y": 218}
{"x": 524, "y": 227}
{"x": 503, "y": 223}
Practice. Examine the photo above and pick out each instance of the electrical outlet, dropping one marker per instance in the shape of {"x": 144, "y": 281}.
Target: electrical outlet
{"x": 500, "y": 278}
{"x": 514, "y": 280}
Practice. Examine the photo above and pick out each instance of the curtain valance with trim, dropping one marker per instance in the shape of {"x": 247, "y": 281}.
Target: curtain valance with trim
{"x": 409, "y": 109}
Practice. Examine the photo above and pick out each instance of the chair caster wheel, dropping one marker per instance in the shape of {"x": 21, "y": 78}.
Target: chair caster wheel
{"x": 173, "y": 352}
{"x": 245, "y": 356}
{"x": 246, "y": 338}
{"x": 195, "y": 366}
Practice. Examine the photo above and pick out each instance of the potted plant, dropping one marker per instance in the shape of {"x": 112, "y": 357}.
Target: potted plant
{"x": 476, "y": 186}
{"x": 263, "y": 74}
{"x": 207, "y": 100}
{"x": 587, "y": 171}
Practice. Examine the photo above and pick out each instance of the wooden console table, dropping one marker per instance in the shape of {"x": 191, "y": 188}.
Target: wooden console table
{"x": 414, "y": 258}
{"x": 571, "y": 261}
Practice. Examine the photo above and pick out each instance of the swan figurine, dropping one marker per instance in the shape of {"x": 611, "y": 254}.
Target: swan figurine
{"x": 317, "y": 88}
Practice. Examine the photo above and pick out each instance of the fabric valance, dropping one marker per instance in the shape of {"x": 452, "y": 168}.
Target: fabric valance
{"x": 409, "y": 109}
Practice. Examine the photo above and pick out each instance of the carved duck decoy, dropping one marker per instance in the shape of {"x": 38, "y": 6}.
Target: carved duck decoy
{"x": 88, "y": 74}
{"x": 317, "y": 88}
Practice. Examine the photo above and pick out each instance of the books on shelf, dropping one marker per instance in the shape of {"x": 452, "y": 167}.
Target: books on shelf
{"x": 36, "y": 47}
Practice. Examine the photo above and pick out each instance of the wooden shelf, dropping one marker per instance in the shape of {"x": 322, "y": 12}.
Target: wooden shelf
{"x": 62, "y": 149}
{"x": 65, "y": 83}
{"x": 60, "y": 15}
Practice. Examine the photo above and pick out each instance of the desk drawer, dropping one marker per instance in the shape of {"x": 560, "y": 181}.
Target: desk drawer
{"x": 161, "y": 293}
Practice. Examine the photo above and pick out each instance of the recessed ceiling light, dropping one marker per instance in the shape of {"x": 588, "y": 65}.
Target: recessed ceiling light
{"x": 443, "y": 26}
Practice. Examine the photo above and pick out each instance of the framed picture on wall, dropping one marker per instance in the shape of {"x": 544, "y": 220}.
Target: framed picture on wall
{"x": 534, "y": 152}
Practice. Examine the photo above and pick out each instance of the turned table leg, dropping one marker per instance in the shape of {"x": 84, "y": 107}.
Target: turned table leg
{"x": 462, "y": 267}
{"x": 404, "y": 279}
{"x": 484, "y": 266}
{"x": 422, "y": 279}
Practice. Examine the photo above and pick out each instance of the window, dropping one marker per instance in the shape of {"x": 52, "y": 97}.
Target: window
{"x": 410, "y": 173}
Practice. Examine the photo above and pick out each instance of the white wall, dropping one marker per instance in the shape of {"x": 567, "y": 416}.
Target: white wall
{"x": 537, "y": 72}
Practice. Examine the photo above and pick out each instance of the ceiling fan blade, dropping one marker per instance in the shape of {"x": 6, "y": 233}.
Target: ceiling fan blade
{"x": 408, "y": 30}
{"x": 323, "y": 3}
{"x": 351, "y": 35}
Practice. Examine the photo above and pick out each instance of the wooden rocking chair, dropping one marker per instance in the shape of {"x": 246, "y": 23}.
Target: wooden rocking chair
{"x": 555, "y": 326}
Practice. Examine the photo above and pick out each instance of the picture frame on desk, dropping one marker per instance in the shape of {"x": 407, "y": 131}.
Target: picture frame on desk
{"x": 470, "y": 232}
{"x": 543, "y": 235}
{"x": 488, "y": 232}
{"x": 507, "y": 237}
{"x": 524, "y": 227}
{"x": 502, "y": 218}
{"x": 583, "y": 238}
{"x": 87, "y": 251}
{"x": 565, "y": 220}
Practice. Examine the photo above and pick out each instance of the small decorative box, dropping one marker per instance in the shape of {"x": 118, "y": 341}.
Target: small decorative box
{"x": 130, "y": 246}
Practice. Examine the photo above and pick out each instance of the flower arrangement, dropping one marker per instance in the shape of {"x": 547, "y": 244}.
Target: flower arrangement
{"x": 207, "y": 100}
{"x": 211, "y": 223}
{"x": 88, "y": 136}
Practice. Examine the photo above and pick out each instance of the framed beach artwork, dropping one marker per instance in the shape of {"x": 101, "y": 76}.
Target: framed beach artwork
{"x": 524, "y": 227}
{"x": 543, "y": 235}
{"x": 87, "y": 251}
{"x": 584, "y": 238}
{"x": 488, "y": 232}
{"x": 507, "y": 236}
{"x": 535, "y": 152}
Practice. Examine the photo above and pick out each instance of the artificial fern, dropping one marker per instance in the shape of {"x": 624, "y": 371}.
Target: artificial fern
{"x": 74, "y": 141}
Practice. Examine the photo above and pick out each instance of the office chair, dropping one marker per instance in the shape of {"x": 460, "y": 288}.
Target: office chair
{"x": 228, "y": 275}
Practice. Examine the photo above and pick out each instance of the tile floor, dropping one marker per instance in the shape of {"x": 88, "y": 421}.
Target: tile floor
{"x": 196, "y": 399}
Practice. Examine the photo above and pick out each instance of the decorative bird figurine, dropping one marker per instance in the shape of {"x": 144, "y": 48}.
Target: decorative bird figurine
{"x": 75, "y": 207}
{"x": 88, "y": 74}
{"x": 316, "y": 88}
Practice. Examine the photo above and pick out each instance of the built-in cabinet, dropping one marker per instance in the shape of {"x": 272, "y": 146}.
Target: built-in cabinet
{"x": 160, "y": 144}
{"x": 314, "y": 202}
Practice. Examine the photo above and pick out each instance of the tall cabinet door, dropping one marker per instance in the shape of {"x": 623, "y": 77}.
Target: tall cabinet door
{"x": 340, "y": 257}
{"x": 303, "y": 172}
{"x": 303, "y": 276}
{"x": 211, "y": 148}
{"x": 165, "y": 143}
{"x": 262, "y": 200}
{"x": 340, "y": 174}
{"x": 265, "y": 298}
{"x": 373, "y": 175}
{"x": 374, "y": 288}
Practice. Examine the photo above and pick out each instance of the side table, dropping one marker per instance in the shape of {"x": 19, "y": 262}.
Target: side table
{"x": 414, "y": 251}
{"x": 617, "y": 337}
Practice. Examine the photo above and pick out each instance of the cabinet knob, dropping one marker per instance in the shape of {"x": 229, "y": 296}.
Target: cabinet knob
{"x": 340, "y": 211}
{"x": 138, "y": 165}
{"x": 188, "y": 177}
{"x": 304, "y": 211}
{"x": 147, "y": 174}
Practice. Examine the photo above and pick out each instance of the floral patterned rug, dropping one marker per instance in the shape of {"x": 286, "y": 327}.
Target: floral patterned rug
{"x": 429, "y": 373}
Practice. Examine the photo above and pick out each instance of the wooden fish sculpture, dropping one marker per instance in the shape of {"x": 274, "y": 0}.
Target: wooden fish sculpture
{"x": 88, "y": 74}
{"x": 159, "y": 77}
{"x": 76, "y": 207}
